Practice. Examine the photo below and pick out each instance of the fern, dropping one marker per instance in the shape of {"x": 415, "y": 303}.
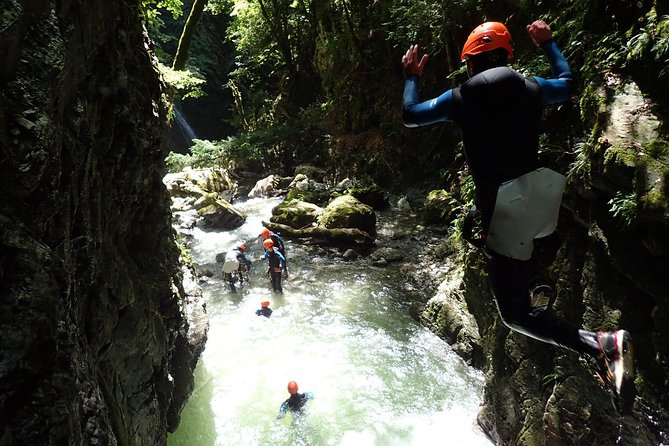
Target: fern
{"x": 624, "y": 208}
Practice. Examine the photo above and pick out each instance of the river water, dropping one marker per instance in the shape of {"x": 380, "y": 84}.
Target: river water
{"x": 343, "y": 332}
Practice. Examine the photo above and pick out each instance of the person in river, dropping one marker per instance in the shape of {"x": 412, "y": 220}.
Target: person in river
{"x": 264, "y": 309}
{"x": 296, "y": 401}
{"x": 266, "y": 234}
{"x": 498, "y": 112}
{"x": 234, "y": 259}
{"x": 277, "y": 262}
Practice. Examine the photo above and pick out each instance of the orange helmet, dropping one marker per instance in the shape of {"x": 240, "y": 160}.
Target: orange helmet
{"x": 268, "y": 243}
{"x": 264, "y": 233}
{"x": 487, "y": 37}
{"x": 241, "y": 247}
{"x": 292, "y": 387}
{"x": 264, "y": 303}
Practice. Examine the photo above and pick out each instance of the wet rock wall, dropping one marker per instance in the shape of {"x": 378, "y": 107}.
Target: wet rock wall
{"x": 90, "y": 287}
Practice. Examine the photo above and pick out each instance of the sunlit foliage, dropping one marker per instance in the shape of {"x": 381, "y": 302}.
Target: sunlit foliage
{"x": 153, "y": 10}
{"x": 188, "y": 83}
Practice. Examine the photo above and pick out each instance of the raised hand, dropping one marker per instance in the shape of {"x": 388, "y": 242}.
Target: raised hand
{"x": 539, "y": 32}
{"x": 410, "y": 64}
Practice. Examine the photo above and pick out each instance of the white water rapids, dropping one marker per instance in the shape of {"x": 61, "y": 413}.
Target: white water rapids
{"x": 343, "y": 332}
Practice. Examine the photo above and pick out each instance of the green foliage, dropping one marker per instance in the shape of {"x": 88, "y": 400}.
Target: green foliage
{"x": 352, "y": 50}
{"x": 657, "y": 148}
{"x": 186, "y": 257}
{"x": 549, "y": 380}
{"x": 580, "y": 167}
{"x": 186, "y": 82}
{"x": 176, "y": 162}
{"x": 651, "y": 43}
{"x": 624, "y": 208}
{"x": 153, "y": 10}
{"x": 592, "y": 101}
{"x": 203, "y": 154}
{"x": 466, "y": 195}
{"x": 422, "y": 21}
{"x": 273, "y": 148}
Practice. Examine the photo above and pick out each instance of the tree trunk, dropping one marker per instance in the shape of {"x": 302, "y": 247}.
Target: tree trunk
{"x": 183, "y": 51}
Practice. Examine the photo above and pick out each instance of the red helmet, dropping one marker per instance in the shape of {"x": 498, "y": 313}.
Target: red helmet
{"x": 487, "y": 37}
{"x": 292, "y": 387}
{"x": 264, "y": 303}
{"x": 268, "y": 243}
{"x": 264, "y": 233}
{"x": 241, "y": 247}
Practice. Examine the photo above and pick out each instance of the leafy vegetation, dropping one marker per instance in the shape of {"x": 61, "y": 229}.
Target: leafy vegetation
{"x": 624, "y": 208}
{"x": 320, "y": 82}
{"x": 186, "y": 82}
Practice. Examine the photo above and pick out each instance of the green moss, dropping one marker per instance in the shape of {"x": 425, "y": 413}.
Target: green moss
{"x": 592, "y": 104}
{"x": 371, "y": 195}
{"x": 655, "y": 200}
{"x": 318, "y": 198}
{"x": 657, "y": 148}
{"x": 186, "y": 257}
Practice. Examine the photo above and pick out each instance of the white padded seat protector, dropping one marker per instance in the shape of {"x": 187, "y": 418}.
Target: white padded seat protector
{"x": 527, "y": 207}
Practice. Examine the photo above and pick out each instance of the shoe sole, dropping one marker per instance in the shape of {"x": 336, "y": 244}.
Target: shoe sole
{"x": 624, "y": 382}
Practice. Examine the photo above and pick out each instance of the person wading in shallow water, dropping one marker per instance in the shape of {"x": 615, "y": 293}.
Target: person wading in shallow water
{"x": 276, "y": 264}
{"x": 498, "y": 112}
{"x": 296, "y": 401}
{"x": 264, "y": 309}
{"x": 232, "y": 265}
{"x": 279, "y": 244}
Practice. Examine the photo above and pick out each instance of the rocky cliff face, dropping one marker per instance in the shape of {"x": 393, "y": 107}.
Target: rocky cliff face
{"x": 607, "y": 265}
{"x": 91, "y": 292}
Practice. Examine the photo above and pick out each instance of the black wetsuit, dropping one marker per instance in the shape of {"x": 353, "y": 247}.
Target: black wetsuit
{"x": 498, "y": 112}
{"x": 278, "y": 243}
{"x": 296, "y": 401}
{"x": 264, "y": 311}
{"x": 276, "y": 263}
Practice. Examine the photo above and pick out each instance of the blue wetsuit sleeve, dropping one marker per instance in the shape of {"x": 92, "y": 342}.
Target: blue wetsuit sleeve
{"x": 278, "y": 238}
{"x": 282, "y": 410}
{"x": 265, "y": 255}
{"x": 561, "y": 87}
{"x": 414, "y": 113}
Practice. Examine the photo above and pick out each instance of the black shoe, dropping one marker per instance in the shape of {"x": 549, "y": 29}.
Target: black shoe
{"x": 617, "y": 367}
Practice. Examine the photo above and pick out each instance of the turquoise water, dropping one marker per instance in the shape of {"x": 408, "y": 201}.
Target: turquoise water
{"x": 342, "y": 331}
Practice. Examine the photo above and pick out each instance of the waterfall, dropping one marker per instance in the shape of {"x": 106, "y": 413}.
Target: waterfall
{"x": 182, "y": 124}
{"x": 178, "y": 135}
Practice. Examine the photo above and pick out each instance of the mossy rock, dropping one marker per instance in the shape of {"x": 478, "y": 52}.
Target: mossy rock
{"x": 220, "y": 214}
{"x": 447, "y": 315}
{"x": 295, "y": 213}
{"x": 347, "y": 211}
{"x": 206, "y": 199}
{"x": 372, "y": 196}
{"x": 319, "y": 198}
{"x": 313, "y": 172}
{"x": 440, "y": 207}
{"x": 213, "y": 180}
{"x": 620, "y": 169}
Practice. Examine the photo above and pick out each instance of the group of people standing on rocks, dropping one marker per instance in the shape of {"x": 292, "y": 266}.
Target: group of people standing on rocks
{"x": 236, "y": 264}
